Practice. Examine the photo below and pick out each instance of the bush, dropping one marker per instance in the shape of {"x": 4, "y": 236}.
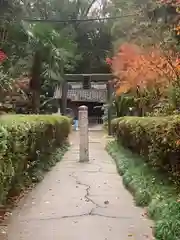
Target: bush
{"x": 150, "y": 189}
{"x": 26, "y": 147}
{"x": 155, "y": 138}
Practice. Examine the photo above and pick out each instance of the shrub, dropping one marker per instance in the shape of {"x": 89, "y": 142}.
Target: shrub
{"x": 27, "y": 144}
{"x": 155, "y": 138}
{"x": 151, "y": 189}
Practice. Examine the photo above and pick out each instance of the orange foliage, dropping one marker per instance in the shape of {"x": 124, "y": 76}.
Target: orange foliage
{"x": 135, "y": 68}
{"x": 177, "y": 29}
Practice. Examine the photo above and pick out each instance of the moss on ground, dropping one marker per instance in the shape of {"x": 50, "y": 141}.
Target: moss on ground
{"x": 151, "y": 189}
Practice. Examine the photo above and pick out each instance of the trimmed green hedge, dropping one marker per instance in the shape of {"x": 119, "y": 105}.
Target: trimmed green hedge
{"x": 155, "y": 138}
{"x": 151, "y": 190}
{"x": 27, "y": 143}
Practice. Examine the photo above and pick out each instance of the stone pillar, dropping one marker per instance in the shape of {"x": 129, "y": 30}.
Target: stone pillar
{"x": 83, "y": 134}
{"x": 59, "y": 111}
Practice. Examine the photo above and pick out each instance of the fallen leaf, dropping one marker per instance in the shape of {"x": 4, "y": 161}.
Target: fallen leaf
{"x": 130, "y": 235}
{"x": 145, "y": 214}
{"x": 146, "y": 236}
{"x": 8, "y": 214}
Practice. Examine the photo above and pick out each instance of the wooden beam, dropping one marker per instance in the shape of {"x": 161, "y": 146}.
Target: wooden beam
{"x": 99, "y": 77}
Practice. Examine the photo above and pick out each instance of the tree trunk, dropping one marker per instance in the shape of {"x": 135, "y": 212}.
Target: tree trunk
{"x": 35, "y": 101}
{"x": 117, "y": 108}
{"x": 35, "y": 82}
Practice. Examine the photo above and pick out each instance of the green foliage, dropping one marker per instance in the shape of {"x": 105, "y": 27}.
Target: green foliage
{"x": 163, "y": 108}
{"x": 45, "y": 51}
{"x": 123, "y": 104}
{"x": 57, "y": 48}
{"x": 94, "y": 44}
{"x": 174, "y": 96}
{"x": 155, "y": 138}
{"x": 150, "y": 23}
{"x": 151, "y": 189}
{"x": 28, "y": 144}
{"x": 120, "y": 106}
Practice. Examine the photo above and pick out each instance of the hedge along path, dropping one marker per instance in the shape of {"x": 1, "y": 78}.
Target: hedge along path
{"x": 153, "y": 178}
{"x": 28, "y": 148}
{"x": 80, "y": 201}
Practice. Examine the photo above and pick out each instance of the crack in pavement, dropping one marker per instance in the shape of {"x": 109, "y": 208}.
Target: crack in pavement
{"x": 77, "y": 216}
{"x": 87, "y": 199}
{"x": 113, "y": 173}
{"x": 87, "y": 195}
{"x": 100, "y": 168}
{"x": 90, "y": 171}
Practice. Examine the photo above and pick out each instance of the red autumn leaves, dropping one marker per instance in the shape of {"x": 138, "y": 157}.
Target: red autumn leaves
{"x": 3, "y": 56}
{"x": 135, "y": 67}
{"x": 109, "y": 61}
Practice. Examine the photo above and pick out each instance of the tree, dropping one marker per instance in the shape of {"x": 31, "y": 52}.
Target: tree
{"x": 52, "y": 54}
{"x": 146, "y": 73}
{"x": 150, "y": 23}
{"x": 44, "y": 52}
{"x": 93, "y": 38}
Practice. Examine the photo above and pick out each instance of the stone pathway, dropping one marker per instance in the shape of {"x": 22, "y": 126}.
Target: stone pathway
{"x": 79, "y": 201}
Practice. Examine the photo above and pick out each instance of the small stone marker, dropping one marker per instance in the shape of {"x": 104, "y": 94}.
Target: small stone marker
{"x": 59, "y": 111}
{"x": 83, "y": 134}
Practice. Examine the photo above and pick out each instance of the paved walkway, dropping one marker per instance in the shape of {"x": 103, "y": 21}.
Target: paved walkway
{"x": 79, "y": 201}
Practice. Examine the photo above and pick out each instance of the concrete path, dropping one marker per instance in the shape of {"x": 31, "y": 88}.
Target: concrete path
{"x": 79, "y": 202}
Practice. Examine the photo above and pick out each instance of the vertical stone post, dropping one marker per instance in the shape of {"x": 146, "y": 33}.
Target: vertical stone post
{"x": 83, "y": 134}
{"x": 59, "y": 111}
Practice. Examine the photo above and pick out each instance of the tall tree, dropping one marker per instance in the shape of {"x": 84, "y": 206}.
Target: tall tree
{"x": 46, "y": 51}
{"x": 150, "y": 23}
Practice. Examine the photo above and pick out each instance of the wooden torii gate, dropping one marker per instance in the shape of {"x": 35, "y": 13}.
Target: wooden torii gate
{"x": 86, "y": 79}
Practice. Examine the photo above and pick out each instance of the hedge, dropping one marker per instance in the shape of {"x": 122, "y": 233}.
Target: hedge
{"x": 26, "y": 147}
{"x": 150, "y": 189}
{"x": 157, "y": 139}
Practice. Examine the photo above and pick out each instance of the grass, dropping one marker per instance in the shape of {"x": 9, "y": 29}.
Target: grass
{"x": 150, "y": 189}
